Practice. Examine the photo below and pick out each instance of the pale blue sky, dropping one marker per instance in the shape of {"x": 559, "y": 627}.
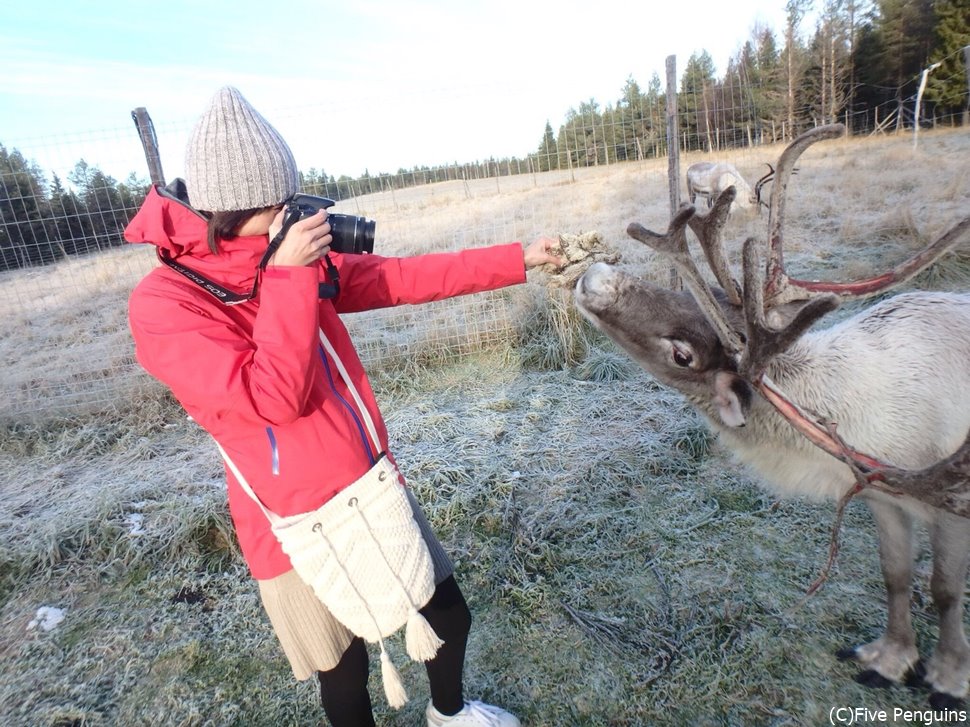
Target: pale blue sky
{"x": 375, "y": 84}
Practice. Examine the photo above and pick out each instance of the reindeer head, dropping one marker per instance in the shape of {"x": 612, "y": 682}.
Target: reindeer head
{"x": 714, "y": 345}
{"x": 692, "y": 341}
{"x": 668, "y": 334}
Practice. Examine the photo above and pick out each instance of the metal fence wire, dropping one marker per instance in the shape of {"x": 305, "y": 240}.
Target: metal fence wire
{"x": 67, "y": 350}
{"x": 65, "y": 272}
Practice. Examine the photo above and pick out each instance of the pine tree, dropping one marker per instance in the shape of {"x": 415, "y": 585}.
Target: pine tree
{"x": 826, "y": 90}
{"x": 591, "y": 135}
{"x": 132, "y": 193}
{"x": 694, "y": 102}
{"x": 656, "y": 120}
{"x": 102, "y": 203}
{"x": 630, "y": 122}
{"x": 948, "y": 86}
{"x": 547, "y": 156}
{"x": 581, "y": 141}
{"x": 752, "y": 90}
{"x": 905, "y": 32}
{"x": 794, "y": 55}
{"x": 71, "y": 227}
{"x": 770, "y": 93}
{"x": 25, "y": 236}
{"x": 857, "y": 14}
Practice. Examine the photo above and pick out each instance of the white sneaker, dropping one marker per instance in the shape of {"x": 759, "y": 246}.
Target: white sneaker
{"x": 474, "y": 714}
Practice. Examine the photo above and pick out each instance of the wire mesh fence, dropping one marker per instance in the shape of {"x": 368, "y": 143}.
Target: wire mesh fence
{"x": 65, "y": 272}
{"x": 67, "y": 349}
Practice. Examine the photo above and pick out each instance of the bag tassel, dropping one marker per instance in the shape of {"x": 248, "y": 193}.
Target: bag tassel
{"x": 421, "y": 640}
{"x": 397, "y": 697}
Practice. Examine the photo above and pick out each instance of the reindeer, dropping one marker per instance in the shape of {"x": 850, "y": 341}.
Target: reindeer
{"x": 893, "y": 380}
{"x": 709, "y": 179}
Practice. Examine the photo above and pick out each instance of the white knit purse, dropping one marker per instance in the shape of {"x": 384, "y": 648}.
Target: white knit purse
{"x": 363, "y": 554}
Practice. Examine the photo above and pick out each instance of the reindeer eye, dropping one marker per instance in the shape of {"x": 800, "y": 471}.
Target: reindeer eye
{"x": 682, "y": 358}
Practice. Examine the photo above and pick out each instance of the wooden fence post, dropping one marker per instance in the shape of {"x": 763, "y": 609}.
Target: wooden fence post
{"x": 149, "y": 142}
{"x": 673, "y": 151}
{"x": 966, "y": 62}
{"x": 919, "y": 100}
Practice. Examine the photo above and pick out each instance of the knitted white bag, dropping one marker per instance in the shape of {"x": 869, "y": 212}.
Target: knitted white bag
{"x": 363, "y": 554}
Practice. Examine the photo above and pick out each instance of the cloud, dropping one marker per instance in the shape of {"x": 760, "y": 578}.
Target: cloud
{"x": 372, "y": 84}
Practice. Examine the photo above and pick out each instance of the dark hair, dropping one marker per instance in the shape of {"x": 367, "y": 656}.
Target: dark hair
{"x": 225, "y": 225}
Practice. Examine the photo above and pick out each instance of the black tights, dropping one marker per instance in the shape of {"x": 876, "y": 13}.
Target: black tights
{"x": 343, "y": 689}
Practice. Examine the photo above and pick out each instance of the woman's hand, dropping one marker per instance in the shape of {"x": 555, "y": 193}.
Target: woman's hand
{"x": 306, "y": 241}
{"x": 538, "y": 253}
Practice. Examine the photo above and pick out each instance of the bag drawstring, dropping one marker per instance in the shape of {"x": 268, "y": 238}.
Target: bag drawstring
{"x": 420, "y": 638}
{"x": 394, "y": 689}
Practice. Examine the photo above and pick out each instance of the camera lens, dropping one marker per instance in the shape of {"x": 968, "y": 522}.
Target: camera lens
{"x": 352, "y": 234}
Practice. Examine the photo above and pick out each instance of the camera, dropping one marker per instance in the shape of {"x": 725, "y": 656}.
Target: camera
{"x": 350, "y": 234}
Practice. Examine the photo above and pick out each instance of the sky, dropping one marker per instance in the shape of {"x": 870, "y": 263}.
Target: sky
{"x": 356, "y": 85}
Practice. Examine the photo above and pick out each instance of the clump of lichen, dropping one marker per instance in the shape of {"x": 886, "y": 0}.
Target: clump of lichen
{"x": 580, "y": 251}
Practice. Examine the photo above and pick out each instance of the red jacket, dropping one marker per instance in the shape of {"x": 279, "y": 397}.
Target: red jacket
{"x": 255, "y": 375}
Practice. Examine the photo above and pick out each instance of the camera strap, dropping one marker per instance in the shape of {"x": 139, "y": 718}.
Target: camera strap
{"x": 219, "y": 292}
{"x": 329, "y": 291}
{"x": 292, "y": 216}
{"x": 325, "y": 291}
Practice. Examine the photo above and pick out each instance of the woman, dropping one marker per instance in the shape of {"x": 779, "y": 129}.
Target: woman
{"x": 234, "y": 328}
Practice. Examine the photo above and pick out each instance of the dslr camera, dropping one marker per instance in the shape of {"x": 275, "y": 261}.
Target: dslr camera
{"x": 350, "y": 234}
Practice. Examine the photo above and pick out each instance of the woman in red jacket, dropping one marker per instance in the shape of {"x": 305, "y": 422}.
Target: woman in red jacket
{"x": 251, "y": 344}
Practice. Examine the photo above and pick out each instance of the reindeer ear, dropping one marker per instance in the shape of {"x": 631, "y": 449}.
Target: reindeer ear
{"x": 780, "y": 316}
{"x": 732, "y": 398}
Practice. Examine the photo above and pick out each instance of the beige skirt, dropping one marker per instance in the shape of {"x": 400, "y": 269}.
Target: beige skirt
{"x": 312, "y": 639}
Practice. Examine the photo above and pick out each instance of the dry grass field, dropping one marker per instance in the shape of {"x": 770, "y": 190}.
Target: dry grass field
{"x": 621, "y": 570}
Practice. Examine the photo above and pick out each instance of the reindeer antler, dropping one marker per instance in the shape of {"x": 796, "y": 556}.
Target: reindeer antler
{"x": 708, "y": 228}
{"x": 782, "y": 289}
{"x": 943, "y": 485}
{"x": 763, "y": 291}
{"x": 777, "y": 281}
{"x": 673, "y": 243}
{"x": 762, "y": 182}
{"x": 764, "y": 343}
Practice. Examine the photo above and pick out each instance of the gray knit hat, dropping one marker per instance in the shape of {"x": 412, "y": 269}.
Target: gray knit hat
{"x": 236, "y": 160}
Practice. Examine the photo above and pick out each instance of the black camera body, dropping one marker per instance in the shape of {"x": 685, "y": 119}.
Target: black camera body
{"x": 350, "y": 234}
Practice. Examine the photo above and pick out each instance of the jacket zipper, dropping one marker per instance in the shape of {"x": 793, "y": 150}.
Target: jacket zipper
{"x": 360, "y": 426}
{"x": 274, "y": 450}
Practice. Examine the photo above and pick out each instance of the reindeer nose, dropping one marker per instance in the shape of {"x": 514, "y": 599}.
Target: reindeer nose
{"x": 587, "y": 282}
{"x": 597, "y": 281}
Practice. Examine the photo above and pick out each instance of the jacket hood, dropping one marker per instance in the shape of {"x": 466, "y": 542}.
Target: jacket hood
{"x": 167, "y": 221}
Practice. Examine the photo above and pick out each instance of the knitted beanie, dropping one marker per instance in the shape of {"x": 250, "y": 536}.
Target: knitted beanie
{"x": 236, "y": 160}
